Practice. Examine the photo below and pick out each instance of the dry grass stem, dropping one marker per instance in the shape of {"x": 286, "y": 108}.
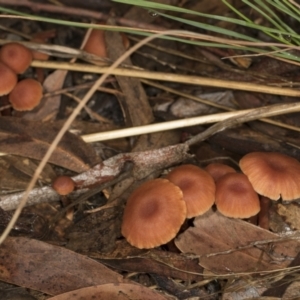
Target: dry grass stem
{"x": 196, "y": 80}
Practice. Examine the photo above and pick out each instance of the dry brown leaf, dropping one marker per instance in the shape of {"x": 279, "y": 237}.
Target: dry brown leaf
{"x": 28, "y": 167}
{"x": 290, "y": 213}
{"x": 164, "y": 263}
{"x": 12, "y": 179}
{"x": 48, "y": 268}
{"x": 32, "y": 139}
{"x": 121, "y": 291}
{"x": 215, "y": 233}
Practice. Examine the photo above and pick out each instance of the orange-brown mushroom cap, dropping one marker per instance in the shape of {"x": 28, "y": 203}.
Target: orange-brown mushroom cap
{"x": 16, "y": 56}
{"x": 217, "y": 170}
{"x": 153, "y": 214}
{"x": 63, "y": 185}
{"x": 198, "y": 188}
{"x": 8, "y": 79}
{"x": 272, "y": 174}
{"x": 26, "y": 95}
{"x": 235, "y": 196}
{"x": 95, "y": 43}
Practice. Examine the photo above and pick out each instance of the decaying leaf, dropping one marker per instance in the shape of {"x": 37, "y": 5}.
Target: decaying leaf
{"x": 28, "y": 167}
{"x": 290, "y": 214}
{"x": 120, "y": 291}
{"x": 32, "y": 139}
{"x": 214, "y": 233}
{"x": 48, "y": 268}
{"x": 164, "y": 263}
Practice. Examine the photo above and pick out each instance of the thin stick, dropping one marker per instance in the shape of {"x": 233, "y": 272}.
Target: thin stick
{"x": 266, "y": 111}
{"x": 196, "y": 80}
{"x": 247, "y": 113}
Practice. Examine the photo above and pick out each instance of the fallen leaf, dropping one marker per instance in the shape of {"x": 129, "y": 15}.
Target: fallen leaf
{"x": 290, "y": 213}
{"x": 128, "y": 258}
{"x": 28, "y": 167}
{"x": 50, "y": 269}
{"x": 121, "y": 291}
{"x": 214, "y": 233}
{"x": 32, "y": 139}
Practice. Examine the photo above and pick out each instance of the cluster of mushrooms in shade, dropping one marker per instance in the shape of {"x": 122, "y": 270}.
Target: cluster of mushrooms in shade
{"x": 14, "y": 60}
{"x": 156, "y": 210}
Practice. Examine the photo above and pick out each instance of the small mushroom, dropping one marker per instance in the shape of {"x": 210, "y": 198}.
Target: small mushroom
{"x": 16, "y": 56}
{"x": 8, "y": 79}
{"x": 273, "y": 174}
{"x": 153, "y": 214}
{"x": 95, "y": 43}
{"x": 235, "y": 196}
{"x": 217, "y": 170}
{"x": 26, "y": 95}
{"x": 63, "y": 185}
{"x": 198, "y": 188}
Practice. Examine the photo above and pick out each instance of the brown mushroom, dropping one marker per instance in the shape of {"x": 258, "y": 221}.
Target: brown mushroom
{"x": 217, "y": 170}
{"x": 16, "y": 56}
{"x": 63, "y": 185}
{"x": 153, "y": 214}
{"x": 235, "y": 196}
{"x": 26, "y": 95}
{"x": 273, "y": 174}
{"x": 8, "y": 79}
{"x": 95, "y": 43}
{"x": 198, "y": 188}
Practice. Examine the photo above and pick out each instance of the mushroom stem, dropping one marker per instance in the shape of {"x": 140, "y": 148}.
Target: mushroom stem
{"x": 263, "y": 215}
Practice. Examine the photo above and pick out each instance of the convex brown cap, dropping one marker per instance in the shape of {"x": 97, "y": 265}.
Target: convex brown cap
{"x": 8, "y": 79}
{"x": 26, "y": 95}
{"x": 235, "y": 196}
{"x": 153, "y": 214}
{"x": 198, "y": 188}
{"x": 217, "y": 170}
{"x": 16, "y": 56}
{"x": 273, "y": 174}
{"x": 63, "y": 185}
{"x": 95, "y": 43}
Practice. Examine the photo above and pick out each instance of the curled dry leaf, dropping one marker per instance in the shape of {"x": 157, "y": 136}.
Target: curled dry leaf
{"x": 214, "y": 233}
{"x": 48, "y": 268}
{"x": 120, "y": 291}
{"x": 32, "y": 140}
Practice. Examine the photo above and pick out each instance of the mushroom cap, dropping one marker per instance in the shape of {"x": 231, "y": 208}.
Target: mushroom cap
{"x": 38, "y": 55}
{"x": 16, "y": 56}
{"x": 8, "y": 79}
{"x": 235, "y": 196}
{"x": 198, "y": 188}
{"x": 272, "y": 174}
{"x": 95, "y": 43}
{"x": 26, "y": 95}
{"x": 63, "y": 185}
{"x": 217, "y": 170}
{"x": 153, "y": 214}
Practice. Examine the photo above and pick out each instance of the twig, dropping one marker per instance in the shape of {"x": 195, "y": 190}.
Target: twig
{"x": 196, "y": 80}
{"x": 240, "y": 116}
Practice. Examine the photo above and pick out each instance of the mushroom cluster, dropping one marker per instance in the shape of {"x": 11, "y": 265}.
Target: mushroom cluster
{"x": 25, "y": 94}
{"x": 156, "y": 210}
